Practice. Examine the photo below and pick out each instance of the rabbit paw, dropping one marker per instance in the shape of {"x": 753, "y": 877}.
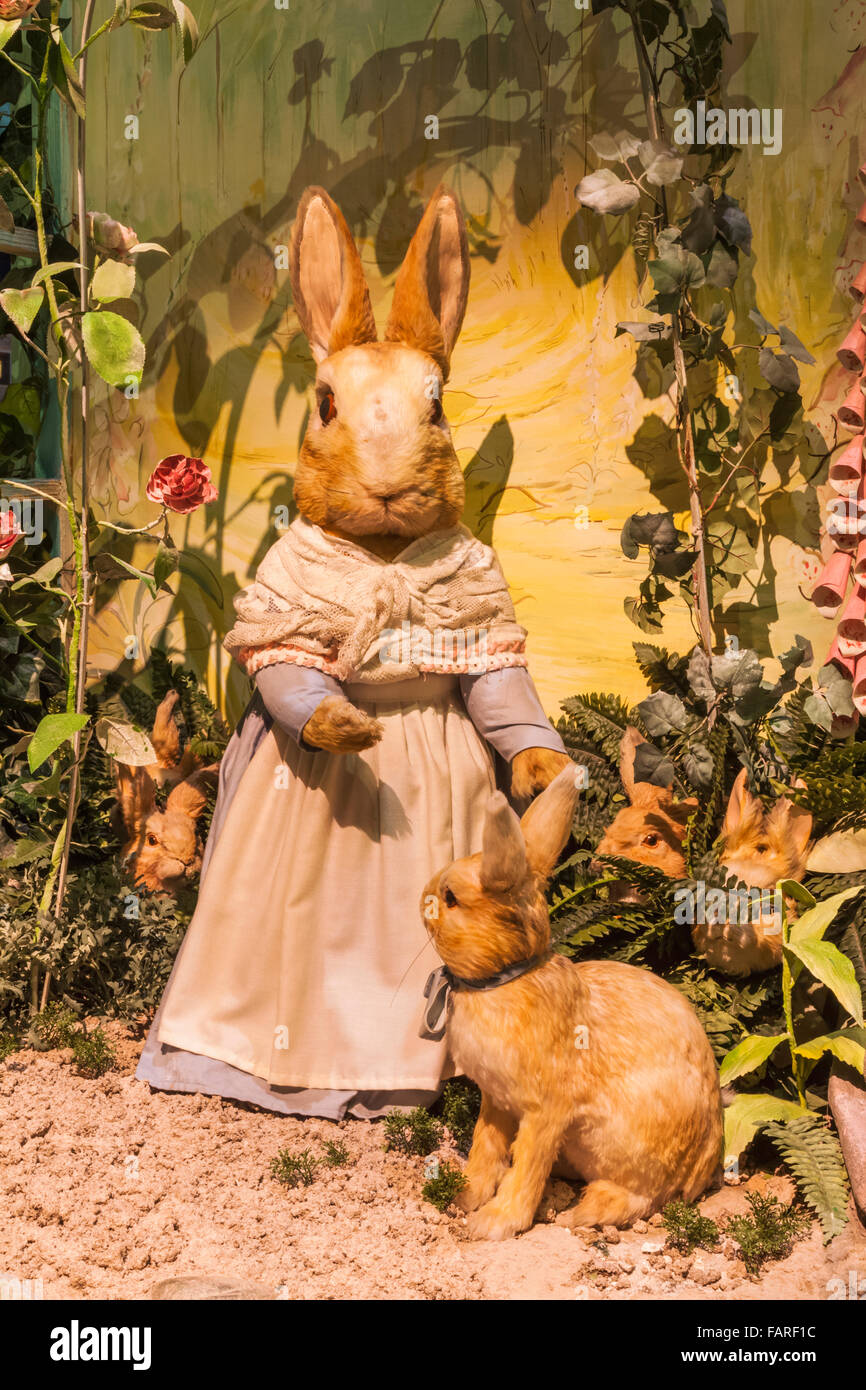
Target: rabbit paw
{"x": 533, "y": 769}
{"x": 476, "y": 1193}
{"x": 495, "y": 1222}
{"x": 338, "y": 726}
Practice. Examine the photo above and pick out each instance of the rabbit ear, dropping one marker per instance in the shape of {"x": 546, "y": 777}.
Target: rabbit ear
{"x": 433, "y": 282}
{"x": 190, "y": 797}
{"x": 630, "y": 740}
{"x": 547, "y": 824}
{"x": 743, "y": 807}
{"x": 136, "y": 795}
{"x": 503, "y": 855}
{"x": 165, "y": 736}
{"x": 330, "y": 292}
{"x": 791, "y": 823}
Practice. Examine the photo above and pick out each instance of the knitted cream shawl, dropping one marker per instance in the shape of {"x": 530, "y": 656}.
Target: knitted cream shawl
{"x": 322, "y": 601}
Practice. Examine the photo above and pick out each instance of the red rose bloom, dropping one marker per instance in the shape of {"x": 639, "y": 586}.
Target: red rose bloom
{"x": 9, "y": 532}
{"x": 181, "y": 484}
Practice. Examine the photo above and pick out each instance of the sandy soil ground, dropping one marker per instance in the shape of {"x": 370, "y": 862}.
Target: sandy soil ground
{"x": 108, "y": 1190}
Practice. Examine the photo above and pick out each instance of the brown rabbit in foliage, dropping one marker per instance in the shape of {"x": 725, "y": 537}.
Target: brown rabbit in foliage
{"x": 759, "y": 848}
{"x": 164, "y": 847}
{"x": 651, "y": 829}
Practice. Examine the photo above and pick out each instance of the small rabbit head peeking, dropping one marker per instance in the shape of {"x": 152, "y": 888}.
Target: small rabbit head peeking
{"x": 377, "y": 462}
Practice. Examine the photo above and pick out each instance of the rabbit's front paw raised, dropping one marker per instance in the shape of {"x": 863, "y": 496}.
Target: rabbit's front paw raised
{"x": 533, "y": 770}
{"x": 338, "y": 726}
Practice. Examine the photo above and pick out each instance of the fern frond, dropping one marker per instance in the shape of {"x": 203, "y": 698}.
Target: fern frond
{"x": 814, "y": 1156}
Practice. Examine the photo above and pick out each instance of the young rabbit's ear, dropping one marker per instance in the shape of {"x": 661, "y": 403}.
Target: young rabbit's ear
{"x": 165, "y": 736}
{"x": 744, "y": 810}
{"x": 628, "y": 744}
{"x": 433, "y": 282}
{"x": 136, "y": 795}
{"x": 330, "y": 292}
{"x": 547, "y": 824}
{"x": 791, "y": 824}
{"x": 503, "y": 855}
{"x": 190, "y": 797}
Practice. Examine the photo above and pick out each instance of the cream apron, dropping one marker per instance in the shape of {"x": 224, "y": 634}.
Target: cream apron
{"x": 306, "y": 958}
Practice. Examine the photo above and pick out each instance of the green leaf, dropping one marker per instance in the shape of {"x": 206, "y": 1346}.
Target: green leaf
{"x": 112, "y": 280}
{"x": 8, "y": 29}
{"x": 813, "y": 924}
{"x": 676, "y": 270}
{"x": 188, "y": 29}
{"x": 779, "y": 369}
{"x": 662, "y": 713}
{"x": 22, "y": 306}
{"x": 749, "y": 1113}
{"x": 721, "y": 267}
{"x": 790, "y": 888}
{"x": 124, "y": 742}
{"x": 151, "y": 16}
{"x": 848, "y": 1044}
{"x": 51, "y": 732}
{"x": 791, "y": 343}
{"x": 57, "y": 268}
{"x": 814, "y": 1156}
{"x": 604, "y": 192}
{"x": 748, "y": 1055}
{"x": 64, "y": 74}
{"x": 7, "y": 221}
{"x": 25, "y": 851}
{"x": 827, "y": 963}
{"x": 46, "y": 574}
{"x": 141, "y": 246}
{"x": 114, "y": 347}
{"x": 165, "y": 564}
{"x": 662, "y": 163}
{"x": 109, "y": 567}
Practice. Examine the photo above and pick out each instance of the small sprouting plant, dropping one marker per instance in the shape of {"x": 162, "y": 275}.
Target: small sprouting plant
{"x": 687, "y": 1228}
{"x": 769, "y": 1232}
{"x": 461, "y": 1102}
{"x": 8, "y": 1044}
{"x": 56, "y": 1025}
{"x": 93, "y": 1053}
{"x": 412, "y": 1131}
{"x": 294, "y": 1169}
{"x": 443, "y": 1185}
{"x": 336, "y": 1153}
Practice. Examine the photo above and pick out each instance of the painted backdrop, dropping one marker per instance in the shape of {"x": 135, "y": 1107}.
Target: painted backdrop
{"x": 550, "y": 421}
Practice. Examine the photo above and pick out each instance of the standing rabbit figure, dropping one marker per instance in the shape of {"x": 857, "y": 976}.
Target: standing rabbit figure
{"x": 388, "y": 668}
{"x": 599, "y": 1067}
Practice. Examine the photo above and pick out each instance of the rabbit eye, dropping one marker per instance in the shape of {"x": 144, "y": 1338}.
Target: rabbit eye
{"x": 327, "y": 408}
{"x": 151, "y": 839}
{"x": 435, "y": 410}
{"x": 651, "y": 841}
{"x": 762, "y": 849}
{"x": 449, "y": 898}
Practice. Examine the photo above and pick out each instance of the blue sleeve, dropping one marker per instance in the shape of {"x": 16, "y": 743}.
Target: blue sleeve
{"x": 505, "y": 709}
{"x": 291, "y": 694}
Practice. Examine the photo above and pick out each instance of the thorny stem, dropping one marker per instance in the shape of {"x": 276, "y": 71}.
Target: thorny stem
{"x": 685, "y": 434}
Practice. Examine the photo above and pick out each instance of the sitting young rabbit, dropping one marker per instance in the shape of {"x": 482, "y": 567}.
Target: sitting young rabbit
{"x": 598, "y": 1065}
{"x": 164, "y": 846}
{"x": 651, "y": 829}
{"x": 759, "y": 848}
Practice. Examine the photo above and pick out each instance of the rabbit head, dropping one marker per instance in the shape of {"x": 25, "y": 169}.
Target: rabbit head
{"x": 651, "y": 829}
{"x": 489, "y": 910}
{"x": 760, "y": 847}
{"x": 163, "y": 846}
{"x": 377, "y": 457}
